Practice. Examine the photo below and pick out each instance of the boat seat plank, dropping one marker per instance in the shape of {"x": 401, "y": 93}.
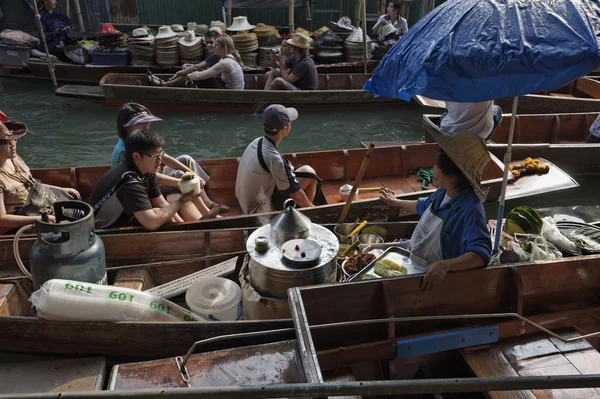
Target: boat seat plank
{"x": 537, "y": 355}
{"x": 14, "y": 299}
{"x": 589, "y": 87}
{"x": 398, "y": 185}
{"x": 64, "y": 375}
{"x": 561, "y": 95}
{"x": 273, "y": 363}
{"x": 135, "y": 279}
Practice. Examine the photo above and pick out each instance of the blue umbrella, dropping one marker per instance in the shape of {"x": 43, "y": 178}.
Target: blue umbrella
{"x": 481, "y": 50}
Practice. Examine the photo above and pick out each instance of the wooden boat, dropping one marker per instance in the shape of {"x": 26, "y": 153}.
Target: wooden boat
{"x": 336, "y": 91}
{"x": 581, "y": 95}
{"x": 93, "y": 74}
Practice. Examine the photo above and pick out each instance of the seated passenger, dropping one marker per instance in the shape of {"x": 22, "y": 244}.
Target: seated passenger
{"x": 56, "y": 29}
{"x": 284, "y": 59}
{"x": 129, "y": 193}
{"x": 134, "y": 116}
{"x": 481, "y": 119}
{"x": 225, "y": 74}
{"x": 303, "y": 75}
{"x": 265, "y": 178}
{"x": 594, "y": 136}
{"x": 179, "y": 79}
{"x": 452, "y": 232}
{"x": 21, "y": 196}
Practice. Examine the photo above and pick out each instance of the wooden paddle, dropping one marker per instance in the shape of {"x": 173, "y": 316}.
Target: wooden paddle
{"x": 361, "y": 172}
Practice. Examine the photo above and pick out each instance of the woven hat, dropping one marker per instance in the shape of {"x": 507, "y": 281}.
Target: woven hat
{"x": 201, "y": 29}
{"x": 141, "y": 35}
{"x": 190, "y": 39}
{"x": 165, "y": 32}
{"x": 216, "y": 29}
{"x": 192, "y": 26}
{"x": 320, "y": 31}
{"x": 300, "y": 40}
{"x": 357, "y": 37}
{"x": 219, "y": 24}
{"x": 239, "y": 24}
{"x": 344, "y": 23}
{"x": 242, "y": 38}
{"x": 303, "y": 31}
{"x": 77, "y": 54}
{"x": 387, "y": 29}
{"x": 177, "y": 28}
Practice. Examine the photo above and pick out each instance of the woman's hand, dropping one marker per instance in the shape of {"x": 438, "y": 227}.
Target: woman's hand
{"x": 72, "y": 192}
{"x": 436, "y": 273}
{"x": 388, "y": 197}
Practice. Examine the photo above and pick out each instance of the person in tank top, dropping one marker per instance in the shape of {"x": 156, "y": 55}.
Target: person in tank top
{"x": 228, "y": 70}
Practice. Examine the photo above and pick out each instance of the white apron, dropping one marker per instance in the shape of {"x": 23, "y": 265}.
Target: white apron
{"x": 426, "y": 241}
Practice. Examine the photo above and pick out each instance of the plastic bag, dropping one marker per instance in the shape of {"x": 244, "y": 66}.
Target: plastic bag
{"x": 531, "y": 247}
{"x": 551, "y": 233}
{"x": 73, "y": 300}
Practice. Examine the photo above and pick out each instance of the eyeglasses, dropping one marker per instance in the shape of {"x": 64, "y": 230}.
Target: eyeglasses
{"x": 156, "y": 157}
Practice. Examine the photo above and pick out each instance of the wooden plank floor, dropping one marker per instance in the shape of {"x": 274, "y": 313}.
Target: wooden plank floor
{"x": 536, "y": 355}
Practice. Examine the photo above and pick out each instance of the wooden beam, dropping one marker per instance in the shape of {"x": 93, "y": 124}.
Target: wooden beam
{"x": 291, "y": 16}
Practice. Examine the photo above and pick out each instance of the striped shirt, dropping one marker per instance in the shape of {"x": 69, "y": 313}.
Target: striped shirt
{"x": 595, "y": 128}
{"x": 234, "y": 80}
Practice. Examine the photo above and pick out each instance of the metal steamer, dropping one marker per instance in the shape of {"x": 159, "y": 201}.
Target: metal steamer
{"x": 291, "y": 252}
{"x": 69, "y": 249}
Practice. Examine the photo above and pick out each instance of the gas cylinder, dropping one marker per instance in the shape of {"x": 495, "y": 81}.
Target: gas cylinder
{"x": 68, "y": 249}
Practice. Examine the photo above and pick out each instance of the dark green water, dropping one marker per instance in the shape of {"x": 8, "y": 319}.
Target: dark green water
{"x": 69, "y": 132}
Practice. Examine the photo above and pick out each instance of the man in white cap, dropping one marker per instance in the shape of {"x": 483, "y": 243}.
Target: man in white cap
{"x": 265, "y": 178}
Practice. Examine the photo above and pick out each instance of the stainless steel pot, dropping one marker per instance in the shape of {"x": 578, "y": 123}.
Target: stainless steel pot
{"x": 289, "y": 224}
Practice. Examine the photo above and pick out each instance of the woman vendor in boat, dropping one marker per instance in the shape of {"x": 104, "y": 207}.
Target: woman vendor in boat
{"x": 134, "y": 116}
{"x": 56, "y": 26}
{"x": 179, "y": 79}
{"x": 452, "y": 232}
{"x": 391, "y": 17}
{"x": 22, "y": 198}
{"x": 225, "y": 74}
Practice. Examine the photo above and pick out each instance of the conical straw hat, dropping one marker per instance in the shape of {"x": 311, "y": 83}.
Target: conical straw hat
{"x": 357, "y": 36}
{"x": 239, "y": 24}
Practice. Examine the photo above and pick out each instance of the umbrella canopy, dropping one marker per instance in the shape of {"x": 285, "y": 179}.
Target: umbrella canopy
{"x": 479, "y": 50}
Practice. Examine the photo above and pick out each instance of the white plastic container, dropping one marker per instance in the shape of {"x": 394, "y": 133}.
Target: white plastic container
{"x": 215, "y": 298}
{"x": 187, "y": 185}
{"x": 345, "y": 191}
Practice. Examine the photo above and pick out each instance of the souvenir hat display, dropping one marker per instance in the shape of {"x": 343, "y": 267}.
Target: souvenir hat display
{"x": 218, "y": 24}
{"x": 330, "y": 48}
{"x": 191, "y": 49}
{"x": 386, "y": 30}
{"x": 240, "y": 24}
{"x": 344, "y": 24}
{"x": 177, "y": 28}
{"x": 202, "y": 29}
{"x": 166, "y": 46}
{"x": 300, "y": 40}
{"x": 216, "y": 29}
{"x": 263, "y": 32}
{"x": 192, "y": 26}
{"x": 141, "y": 46}
{"x": 320, "y": 31}
{"x": 265, "y": 51}
{"x": 110, "y": 38}
{"x": 353, "y": 46}
{"x": 247, "y": 45}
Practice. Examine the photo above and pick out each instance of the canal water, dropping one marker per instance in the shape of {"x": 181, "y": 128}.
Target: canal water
{"x": 69, "y": 132}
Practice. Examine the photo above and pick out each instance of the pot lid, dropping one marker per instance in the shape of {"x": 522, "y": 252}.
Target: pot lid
{"x": 290, "y": 221}
{"x": 301, "y": 252}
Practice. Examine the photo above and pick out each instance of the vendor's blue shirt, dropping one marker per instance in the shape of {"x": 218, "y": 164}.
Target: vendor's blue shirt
{"x": 465, "y": 229}
{"x": 118, "y": 153}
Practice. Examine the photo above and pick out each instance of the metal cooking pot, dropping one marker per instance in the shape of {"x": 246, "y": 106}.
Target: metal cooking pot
{"x": 289, "y": 224}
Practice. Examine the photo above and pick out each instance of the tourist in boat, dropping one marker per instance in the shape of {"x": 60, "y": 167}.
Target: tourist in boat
{"x": 225, "y": 74}
{"x": 134, "y": 116}
{"x": 284, "y": 59}
{"x": 23, "y": 198}
{"x": 452, "y": 232}
{"x": 481, "y": 119}
{"x": 594, "y": 136}
{"x": 129, "y": 193}
{"x": 302, "y": 74}
{"x": 56, "y": 29}
{"x": 180, "y": 78}
{"x": 265, "y": 178}
{"x": 391, "y": 17}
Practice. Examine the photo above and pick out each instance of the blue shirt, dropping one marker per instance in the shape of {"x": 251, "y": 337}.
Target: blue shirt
{"x": 118, "y": 153}
{"x": 465, "y": 228}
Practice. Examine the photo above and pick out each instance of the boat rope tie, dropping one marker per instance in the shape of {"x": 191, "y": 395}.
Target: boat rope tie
{"x": 181, "y": 362}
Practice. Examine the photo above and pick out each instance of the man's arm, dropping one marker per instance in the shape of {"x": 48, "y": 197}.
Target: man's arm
{"x": 301, "y": 199}
{"x": 152, "y": 219}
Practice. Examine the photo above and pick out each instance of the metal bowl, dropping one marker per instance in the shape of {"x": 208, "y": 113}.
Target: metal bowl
{"x": 370, "y": 239}
{"x": 341, "y": 231}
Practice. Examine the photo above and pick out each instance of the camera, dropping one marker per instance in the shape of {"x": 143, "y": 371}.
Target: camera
{"x": 274, "y": 51}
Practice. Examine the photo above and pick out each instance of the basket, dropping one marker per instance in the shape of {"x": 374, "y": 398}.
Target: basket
{"x": 121, "y": 59}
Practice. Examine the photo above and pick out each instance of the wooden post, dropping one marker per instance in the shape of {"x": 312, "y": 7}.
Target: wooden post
{"x": 79, "y": 17}
{"x": 43, "y": 37}
{"x": 361, "y": 173}
{"x": 364, "y": 35}
{"x": 68, "y": 10}
{"x": 229, "y": 12}
{"x": 291, "y": 16}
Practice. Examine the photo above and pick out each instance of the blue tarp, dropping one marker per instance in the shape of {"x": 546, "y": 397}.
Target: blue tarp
{"x": 478, "y": 50}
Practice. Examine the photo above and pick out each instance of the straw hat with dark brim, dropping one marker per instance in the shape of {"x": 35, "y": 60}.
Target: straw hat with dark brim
{"x": 469, "y": 154}
{"x": 300, "y": 40}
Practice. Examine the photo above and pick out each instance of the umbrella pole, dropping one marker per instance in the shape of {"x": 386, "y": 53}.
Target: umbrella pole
{"x": 364, "y": 34}
{"x": 43, "y": 37}
{"x": 507, "y": 158}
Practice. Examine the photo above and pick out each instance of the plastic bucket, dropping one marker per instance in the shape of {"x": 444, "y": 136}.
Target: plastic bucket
{"x": 215, "y": 298}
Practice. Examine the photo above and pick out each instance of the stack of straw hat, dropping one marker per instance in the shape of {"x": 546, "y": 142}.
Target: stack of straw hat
{"x": 245, "y": 43}
{"x": 201, "y": 30}
{"x": 141, "y": 46}
{"x": 353, "y": 46}
{"x": 192, "y": 26}
{"x": 218, "y": 24}
{"x": 178, "y": 29}
{"x": 191, "y": 48}
{"x": 110, "y": 38}
{"x": 264, "y": 32}
{"x": 331, "y": 49}
{"x": 269, "y": 46}
{"x": 166, "y": 46}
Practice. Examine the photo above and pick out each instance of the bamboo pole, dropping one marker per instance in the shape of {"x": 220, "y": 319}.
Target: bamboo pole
{"x": 79, "y": 17}
{"x": 291, "y": 16}
{"x": 43, "y": 37}
{"x": 361, "y": 172}
{"x": 364, "y": 35}
{"x": 229, "y": 12}
{"x": 68, "y": 9}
